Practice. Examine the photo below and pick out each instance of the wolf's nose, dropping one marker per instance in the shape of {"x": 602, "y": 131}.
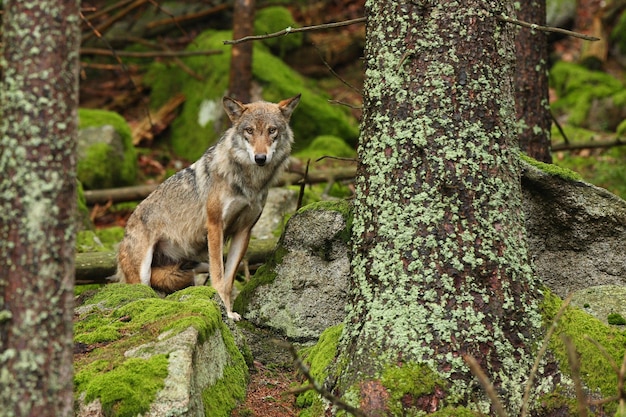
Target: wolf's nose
{"x": 260, "y": 159}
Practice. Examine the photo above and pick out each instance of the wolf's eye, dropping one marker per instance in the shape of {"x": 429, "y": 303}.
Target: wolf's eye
{"x": 272, "y": 130}
{"x": 249, "y": 130}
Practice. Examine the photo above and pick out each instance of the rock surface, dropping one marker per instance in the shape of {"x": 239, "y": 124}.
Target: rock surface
{"x": 576, "y": 232}
{"x": 576, "y": 235}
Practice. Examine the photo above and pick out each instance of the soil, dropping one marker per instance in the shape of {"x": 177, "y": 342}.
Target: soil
{"x": 269, "y": 393}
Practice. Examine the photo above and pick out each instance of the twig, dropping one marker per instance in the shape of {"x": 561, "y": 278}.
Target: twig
{"x": 295, "y": 30}
{"x": 303, "y": 185}
{"x": 535, "y": 26}
{"x": 179, "y": 19}
{"x": 146, "y": 54}
{"x": 336, "y": 401}
{"x": 486, "y": 384}
{"x": 342, "y": 103}
{"x": 558, "y": 126}
{"x": 542, "y": 351}
{"x": 97, "y": 31}
{"x": 334, "y": 73}
{"x": 338, "y": 158}
{"x": 589, "y": 145}
{"x": 574, "y": 364}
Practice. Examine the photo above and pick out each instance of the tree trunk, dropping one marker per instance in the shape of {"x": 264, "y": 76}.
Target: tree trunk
{"x": 531, "y": 94}
{"x": 37, "y": 203}
{"x": 440, "y": 266}
{"x": 241, "y": 55}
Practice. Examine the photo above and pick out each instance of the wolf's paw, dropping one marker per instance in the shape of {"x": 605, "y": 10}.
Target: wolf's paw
{"x": 234, "y": 316}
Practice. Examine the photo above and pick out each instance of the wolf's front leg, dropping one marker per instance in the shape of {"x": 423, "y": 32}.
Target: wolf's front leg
{"x": 238, "y": 247}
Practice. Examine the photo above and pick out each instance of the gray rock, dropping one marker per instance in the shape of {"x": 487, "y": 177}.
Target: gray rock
{"x": 280, "y": 201}
{"x": 310, "y": 287}
{"x": 601, "y": 300}
{"x": 576, "y": 235}
{"x": 576, "y": 232}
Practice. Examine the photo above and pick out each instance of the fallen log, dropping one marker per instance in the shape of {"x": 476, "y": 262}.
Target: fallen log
{"x": 139, "y": 192}
{"x": 96, "y": 267}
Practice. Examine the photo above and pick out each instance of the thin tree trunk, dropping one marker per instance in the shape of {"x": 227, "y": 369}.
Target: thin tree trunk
{"x": 241, "y": 55}
{"x": 440, "y": 267}
{"x": 531, "y": 94}
{"x": 37, "y": 202}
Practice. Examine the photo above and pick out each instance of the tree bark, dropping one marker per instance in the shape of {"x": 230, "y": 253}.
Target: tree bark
{"x": 531, "y": 93}
{"x": 440, "y": 267}
{"x": 241, "y": 55}
{"x": 37, "y": 202}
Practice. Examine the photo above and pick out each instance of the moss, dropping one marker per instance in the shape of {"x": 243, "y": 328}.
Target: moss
{"x": 102, "y": 166}
{"x": 201, "y": 121}
{"x": 595, "y": 369}
{"x": 342, "y": 206}
{"x": 318, "y": 358}
{"x": 101, "y": 240}
{"x": 326, "y": 145}
{"x": 127, "y": 390}
{"x": 618, "y": 34}
{"x": 408, "y": 383}
{"x": 275, "y": 19}
{"x": 578, "y": 88}
{"x": 552, "y": 169}
{"x": 616, "y": 319}
{"x": 110, "y": 236}
{"x": 126, "y": 316}
{"x": 220, "y": 398}
{"x": 265, "y": 275}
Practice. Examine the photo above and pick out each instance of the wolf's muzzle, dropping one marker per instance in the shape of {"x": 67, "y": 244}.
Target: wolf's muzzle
{"x": 260, "y": 159}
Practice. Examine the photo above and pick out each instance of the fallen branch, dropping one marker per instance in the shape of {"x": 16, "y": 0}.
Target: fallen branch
{"x": 147, "y": 54}
{"x": 139, "y": 192}
{"x": 154, "y": 123}
{"x": 588, "y": 145}
{"x": 96, "y": 267}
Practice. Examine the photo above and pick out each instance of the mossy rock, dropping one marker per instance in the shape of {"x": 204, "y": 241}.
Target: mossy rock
{"x": 105, "y": 164}
{"x": 201, "y": 121}
{"x": 590, "y": 99}
{"x": 274, "y": 19}
{"x": 154, "y": 356}
{"x": 101, "y": 240}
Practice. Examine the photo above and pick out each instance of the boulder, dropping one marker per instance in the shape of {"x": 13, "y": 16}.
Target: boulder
{"x": 303, "y": 289}
{"x": 576, "y": 236}
{"x": 106, "y": 156}
{"x": 139, "y": 354}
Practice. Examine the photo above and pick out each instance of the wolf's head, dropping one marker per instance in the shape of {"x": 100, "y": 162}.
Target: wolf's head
{"x": 262, "y": 128}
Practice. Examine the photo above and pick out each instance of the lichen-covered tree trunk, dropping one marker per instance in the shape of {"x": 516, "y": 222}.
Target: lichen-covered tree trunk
{"x": 440, "y": 266}
{"x": 531, "y": 76}
{"x": 38, "y": 119}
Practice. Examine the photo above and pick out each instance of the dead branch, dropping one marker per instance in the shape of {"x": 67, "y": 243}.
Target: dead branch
{"x": 146, "y": 54}
{"x": 192, "y": 16}
{"x": 336, "y": 401}
{"x": 157, "y": 121}
{"x": 540, "y": 28}
{"x": 574, "y": 364}
{"x": 289, "y": 30}
{"x": 486, "y": 384}
{"x": 139, "y": 192}
{"x": 589, "y": 145}
{"x": 542, "y": 351}
{"x": 97, "y": 30}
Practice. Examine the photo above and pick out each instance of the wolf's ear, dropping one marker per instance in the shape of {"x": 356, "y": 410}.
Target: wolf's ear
{"x": 287, "y": 106}
{"x": 234, "y": 108}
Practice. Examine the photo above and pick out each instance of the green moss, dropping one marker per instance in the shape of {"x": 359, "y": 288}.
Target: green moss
{"x": 455, "y": 412}
{"x": 318, "y": 357}
{"x": 127, "y": 390}
{"x": 102, "y": 166}
{"x": 595, "y": 370}
{"x": 326, "y": 145}
{"x": 101, "y": 240}
{"x": 266, "y": 274}
{"x": 342, "y": 206}
{"x": 407, "y": 384}
{"x": 275, "y": 19}
{"x": 578, "y": 87}
{"x": 616, "y": 319}
{"x": 126, "y": 316}
{"x": 201, "y": 121}
{"x": 110, "y": 236}
{"x": 552, "y": 169}
{"x": 220, "y": 399}
{"x": 618, "y": 34}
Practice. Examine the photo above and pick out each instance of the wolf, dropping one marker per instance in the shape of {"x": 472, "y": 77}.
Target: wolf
{"x": 218, "y": 198}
